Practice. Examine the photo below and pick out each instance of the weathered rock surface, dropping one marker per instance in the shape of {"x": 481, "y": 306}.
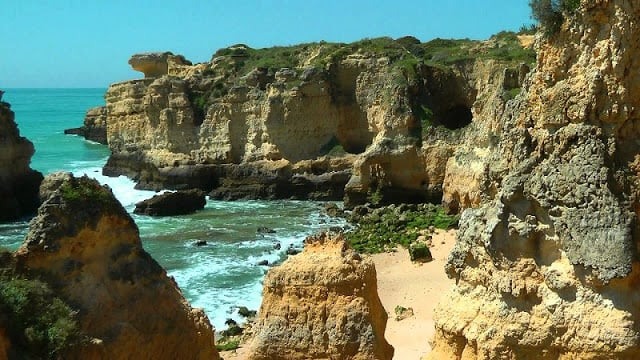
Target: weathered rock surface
{"x": 321, "y": 304}
{"x": 242, "y": 132}
{"x": 94, "y": 127}
{"x": 88, "y": 249}
{"x": 18, "y": 182}
{"x": 547, "y": 263}
{"x": 180, "y": 202}
{"x": 158, "y": 63}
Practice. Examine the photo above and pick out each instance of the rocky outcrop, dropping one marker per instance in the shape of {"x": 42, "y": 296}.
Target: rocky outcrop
{"x": 172, "y": 203}
{"x": 547, "y": 263}
{"x": 156, "y": 64}
{"x": 88, "y": 249}
{"x": 18, "y": 182}
{"x": 238, "y": 128}
{"x": 321, "y": 304}
{"x": 94, "y": 127}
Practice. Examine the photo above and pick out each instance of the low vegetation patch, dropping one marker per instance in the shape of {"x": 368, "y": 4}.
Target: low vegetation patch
{"x": 84, "y": 189}
{"x": 227, "y": 345}
{"x": 383, "y": 229}
{"x": 39, "y": 324}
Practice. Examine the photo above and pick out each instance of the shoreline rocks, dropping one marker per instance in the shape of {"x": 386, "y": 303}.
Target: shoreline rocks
{"x": 88, "y": 249}
{"x": 18, "y": 182}
{"x": 321, "y": 128}
{"x": 321, "y": 303}
{"x": 180, "y": 202}
{"x": 94, "y": 127}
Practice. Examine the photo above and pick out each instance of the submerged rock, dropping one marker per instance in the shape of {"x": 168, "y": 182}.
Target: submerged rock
{"x": 88, "y": 249}
{"x": 321, "y": 304}
{"x": 180, "y": 202}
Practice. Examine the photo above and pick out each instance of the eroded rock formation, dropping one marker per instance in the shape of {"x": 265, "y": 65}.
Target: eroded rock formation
{"x": 242, "y": 129}
{"x": 88, "y": 249}
{"x": 546, "y": 267}
{"x": 18, "y": 182}
{"x": 94, "y": 127}
{"x": 156, "y": 64}
{"x": 321, "y": 304}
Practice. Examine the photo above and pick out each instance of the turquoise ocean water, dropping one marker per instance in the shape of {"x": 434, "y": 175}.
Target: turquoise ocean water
{"x": 217, "y": 277}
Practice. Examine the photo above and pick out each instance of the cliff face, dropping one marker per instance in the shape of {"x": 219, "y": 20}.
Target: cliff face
{"x": 18, "y": 182}
{"x": 241, "y": 125}
{"x": 88, "y": 249}
{"x": 546, "y": 266}
{"x": 321, "y": 304}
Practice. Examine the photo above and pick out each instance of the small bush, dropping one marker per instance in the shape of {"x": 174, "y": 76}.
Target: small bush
{"x": 86, "y": 190}
{"x": 550, "y": 13}
{"x": 511, "y": 94}
{"x": 39, "y": 323}
{"x": 228, "y": 345}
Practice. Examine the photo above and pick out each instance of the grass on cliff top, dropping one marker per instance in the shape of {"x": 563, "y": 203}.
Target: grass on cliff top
{"x": 404, "y": 52}
{"x": 386, "y": 228}
{"x": 39, "y": 324}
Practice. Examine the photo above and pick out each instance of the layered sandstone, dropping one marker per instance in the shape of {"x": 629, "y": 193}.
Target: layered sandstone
{"x": 546, "y": 266}
{"x": 242, "y": 131}
{"x": 88, "y": 249}
{"x": 321, "y": 304}
{"x": 18, "y": 182}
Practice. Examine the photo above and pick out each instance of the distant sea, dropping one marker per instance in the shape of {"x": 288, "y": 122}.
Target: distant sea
{"x": 217, "y": 277}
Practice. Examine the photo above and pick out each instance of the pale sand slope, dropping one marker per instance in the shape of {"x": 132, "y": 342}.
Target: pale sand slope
{"x": 417, "y": 286}
{"x": 411, "y": 285}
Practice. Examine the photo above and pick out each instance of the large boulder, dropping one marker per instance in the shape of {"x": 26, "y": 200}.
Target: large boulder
{"x": 88, "y": 249}
{"x": 321, "y": 304}
{"x": 18, "y": 182}
{"x": 180, "y": 202}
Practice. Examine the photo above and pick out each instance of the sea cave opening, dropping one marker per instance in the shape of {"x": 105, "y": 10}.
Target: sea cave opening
{"x": 456, "y": 117}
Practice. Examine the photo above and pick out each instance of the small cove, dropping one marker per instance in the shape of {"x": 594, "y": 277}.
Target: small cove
{"x": 218, "y": 276}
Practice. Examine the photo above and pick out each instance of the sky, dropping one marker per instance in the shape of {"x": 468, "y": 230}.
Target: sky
{"x": 87, "y": 43}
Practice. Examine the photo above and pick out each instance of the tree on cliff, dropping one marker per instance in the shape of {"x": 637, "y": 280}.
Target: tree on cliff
{"x": 550, "y": 13}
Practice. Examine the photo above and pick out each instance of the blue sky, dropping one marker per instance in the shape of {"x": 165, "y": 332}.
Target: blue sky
{"x": 87, "y": 43}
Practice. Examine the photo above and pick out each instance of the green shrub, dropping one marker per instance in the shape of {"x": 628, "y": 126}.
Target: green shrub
{"x": 550, "y": 13}
{"x": 228, "y": 345}
{"x": 84, "y": 189}
{"x": 40, "y": 324}
{"x": 385, "y": 229}
{"x": 511, "y": 94}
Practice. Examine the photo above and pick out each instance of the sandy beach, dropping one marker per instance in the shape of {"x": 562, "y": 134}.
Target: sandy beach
{"x": 411, "y": 285}
{"x": 417, "y": 286}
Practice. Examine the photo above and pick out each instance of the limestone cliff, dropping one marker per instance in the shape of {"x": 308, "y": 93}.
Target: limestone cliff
{"x": 86, "y": 246}
{"x": 383, "y": 111}
{"x": 18, "y": 182}
{"x": 321, "y": 304}
{"x": 546, "y": 266}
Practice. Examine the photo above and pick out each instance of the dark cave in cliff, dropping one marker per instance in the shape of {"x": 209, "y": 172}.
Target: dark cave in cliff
{"x": 456, "y": 117}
